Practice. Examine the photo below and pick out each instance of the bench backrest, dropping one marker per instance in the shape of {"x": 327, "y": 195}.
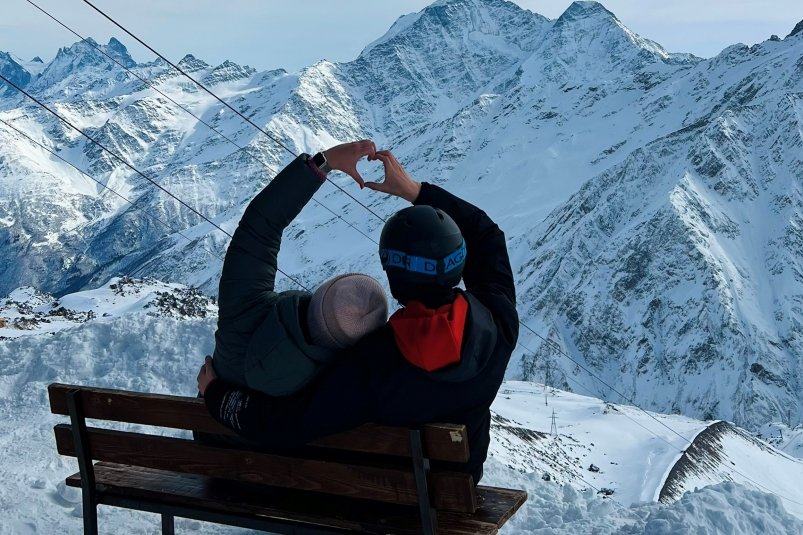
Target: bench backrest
{"x": 386, "y": 475}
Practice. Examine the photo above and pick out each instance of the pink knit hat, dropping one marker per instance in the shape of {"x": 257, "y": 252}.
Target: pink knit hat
{"x": 346, "y": 308}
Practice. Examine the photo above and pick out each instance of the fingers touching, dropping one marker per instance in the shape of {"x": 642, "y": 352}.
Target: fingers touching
{"x": 396, "y": 182}
{"x": 345, "y": 157}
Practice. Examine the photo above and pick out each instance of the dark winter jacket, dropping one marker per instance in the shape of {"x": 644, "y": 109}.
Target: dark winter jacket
{"x": 260, "y": 341}
{"x": 374, "y": 382}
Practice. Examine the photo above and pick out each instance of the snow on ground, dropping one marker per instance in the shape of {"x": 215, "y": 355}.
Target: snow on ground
{"x": 628, "y": 454}
{"x": 727, "y": 508}
{"x": 27, "y": 311}
{"x": 787, "y": 440}
{"x": 626, "y": 450}
{"x": 137, "y": 341}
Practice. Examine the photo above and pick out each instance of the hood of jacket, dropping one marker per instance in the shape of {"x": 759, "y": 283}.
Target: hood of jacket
{"x": 280, "y": 360}
{"x": 452, "y": 343}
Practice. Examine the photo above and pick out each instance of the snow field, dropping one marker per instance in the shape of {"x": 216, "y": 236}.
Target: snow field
{"x": 138, "y": 351}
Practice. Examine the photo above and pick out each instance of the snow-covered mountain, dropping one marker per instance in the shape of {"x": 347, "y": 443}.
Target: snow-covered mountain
{"x": 582, "y": 477}
{"x": 677, "y": 272}
{"x": 652, "y": 200}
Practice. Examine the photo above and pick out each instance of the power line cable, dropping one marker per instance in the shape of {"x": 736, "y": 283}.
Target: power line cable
{"x": 246, "y": 150}
{"x": 123, "y": 197}
{"x": 213, "y": 95}
{"x": 124, "y": 162}
{"x": 578, "y": 476}
{"x": 595, "y": 376}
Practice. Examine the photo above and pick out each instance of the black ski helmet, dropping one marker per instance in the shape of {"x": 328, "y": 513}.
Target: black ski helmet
{"x": 421, "y": 248}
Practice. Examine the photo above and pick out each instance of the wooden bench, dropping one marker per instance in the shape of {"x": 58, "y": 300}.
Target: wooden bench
{"x": 372, "y": 480}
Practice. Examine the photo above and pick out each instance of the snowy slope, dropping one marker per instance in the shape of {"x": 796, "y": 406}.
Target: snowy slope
{"x": 629, "y": 454}
{"x": 679, "y": 268}
{"x": 787, "y": 440}
{"x": 131, "y": 343}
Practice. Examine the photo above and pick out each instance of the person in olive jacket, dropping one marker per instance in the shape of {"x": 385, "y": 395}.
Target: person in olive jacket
{"x": 277, "y": 342}
{"x": 441, "y": 358}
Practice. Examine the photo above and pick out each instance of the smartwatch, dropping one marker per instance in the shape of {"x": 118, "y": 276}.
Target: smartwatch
{"x": 320, "y": 162}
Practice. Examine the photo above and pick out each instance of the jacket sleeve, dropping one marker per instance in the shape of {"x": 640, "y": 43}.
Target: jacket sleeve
{"x": 487, "y": 269}
{"x": 249, "y": 269}
{"x": 338, "y": 401}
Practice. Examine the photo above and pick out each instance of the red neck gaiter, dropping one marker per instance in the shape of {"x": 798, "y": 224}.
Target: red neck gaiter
{"x": 430, "y": 339}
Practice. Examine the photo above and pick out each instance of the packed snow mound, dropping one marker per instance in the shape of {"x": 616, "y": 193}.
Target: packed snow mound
{"x": 28, "y": 311}
{"x": 563, "y": 510}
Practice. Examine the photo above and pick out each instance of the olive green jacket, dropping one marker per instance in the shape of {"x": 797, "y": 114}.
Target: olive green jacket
{"x": 260, "y": 340}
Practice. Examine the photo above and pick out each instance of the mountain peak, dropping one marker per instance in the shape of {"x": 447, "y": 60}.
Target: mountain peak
{"x": 13, "y": 71}
{"x": 498, "y": 19}
{"x": 117, "y": 46}
{"x": 191, "y": 64}
{"x": 228, "y": 71}
{"x": 797, "y": 29}
{"x": 603, "y": 37}
{"x": 583, "y": 9}
{"x": 118, "y": 51}
{"x": 83, "y": 58}
{"x": 85, "y": 47}
{"x": 471, "y": 3}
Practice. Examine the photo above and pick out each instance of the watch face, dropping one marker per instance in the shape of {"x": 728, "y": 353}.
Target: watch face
{"x": 320, "y": 162}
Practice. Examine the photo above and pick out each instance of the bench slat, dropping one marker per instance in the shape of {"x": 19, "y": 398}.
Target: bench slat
{"x": 451, "y": 491}
{"x": 247, "y": 499}
{"x": 442, "y": 442}
{"x": 497, "y": 505}
{"x": 176, "y": 412}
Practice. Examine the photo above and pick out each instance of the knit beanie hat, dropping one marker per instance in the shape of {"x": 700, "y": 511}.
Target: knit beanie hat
{"x": 346, "y": 308}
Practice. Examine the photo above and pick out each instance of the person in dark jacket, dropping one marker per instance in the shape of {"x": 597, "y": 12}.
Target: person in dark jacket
{"x": 277, "y": 342}
{"x": 441, "y": 358}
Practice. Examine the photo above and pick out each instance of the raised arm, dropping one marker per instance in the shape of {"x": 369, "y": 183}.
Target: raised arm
{"x": 249, "y": 270}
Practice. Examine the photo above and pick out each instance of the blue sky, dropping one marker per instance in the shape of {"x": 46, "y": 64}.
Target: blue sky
{"x": 292, "y": 34}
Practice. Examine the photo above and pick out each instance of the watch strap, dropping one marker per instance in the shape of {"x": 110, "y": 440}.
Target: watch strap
{"x": 315, "y": 169}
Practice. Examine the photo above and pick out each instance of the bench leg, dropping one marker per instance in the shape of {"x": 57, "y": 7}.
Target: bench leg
{"x": 429, "y": 522}
{"x": 167, "y": 525}
{"x": 85, "y": 466}
{"x": 90, "y": 518}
